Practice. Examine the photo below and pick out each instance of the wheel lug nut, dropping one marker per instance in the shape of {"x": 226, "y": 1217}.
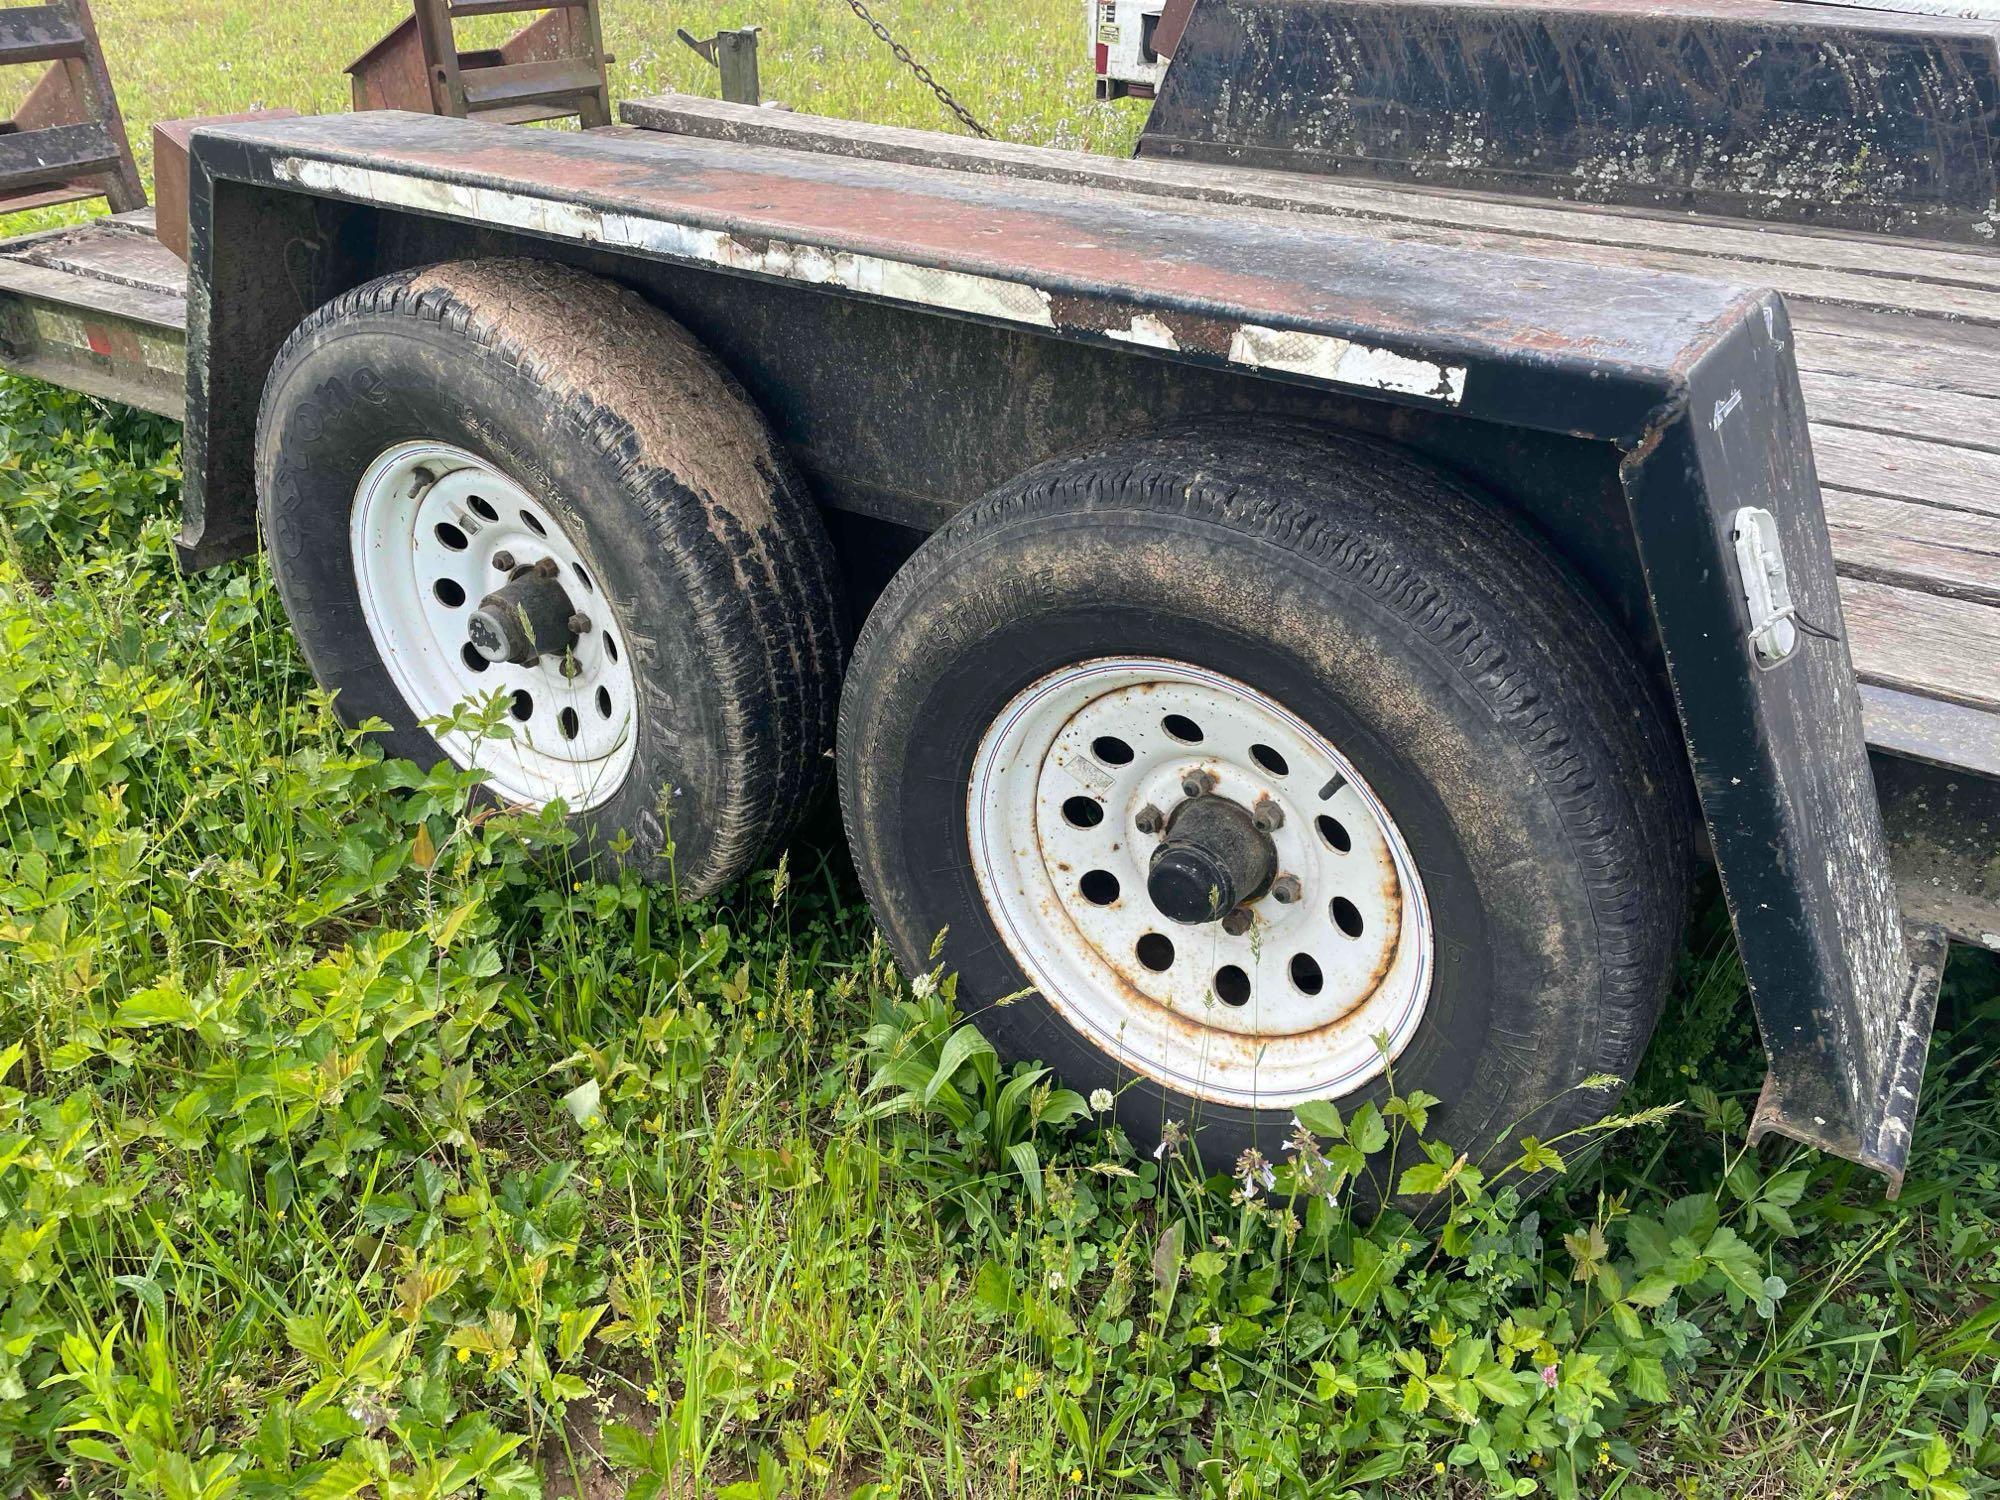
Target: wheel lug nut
{"x": 1267, "y": 815}
{"x": 504, "y": 561}
{"x": 1150, "y": 819}
{"x": 1238, "y": 921}
{"x": 1197, "y": 783}
{"x": 548, "y": 567}
{"x": 579, "y": 624}
{"x": 1286, "y": 889}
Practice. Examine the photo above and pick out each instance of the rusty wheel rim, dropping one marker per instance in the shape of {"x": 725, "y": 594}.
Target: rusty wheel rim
{"x": 1307, "y": 988}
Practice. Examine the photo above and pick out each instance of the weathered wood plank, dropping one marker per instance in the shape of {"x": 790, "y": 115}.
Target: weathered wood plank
{"x": 1930, "y": 353}
{"x": 1922, "y": 643}
{"x": 1874, "y": 405}
{"x": 1946, "y": 734}
{"x": 1903, "y": 468}
{"x": 1920, "y": 547}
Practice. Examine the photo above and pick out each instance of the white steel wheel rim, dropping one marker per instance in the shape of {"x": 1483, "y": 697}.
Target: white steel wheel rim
{"x": 427, "y": 523}
{"x": 1337, "y": 979}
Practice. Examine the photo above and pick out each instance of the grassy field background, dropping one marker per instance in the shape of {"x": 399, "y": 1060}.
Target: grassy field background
{"x": 353, "y": 1145}
{"x": 1021, "y": 67}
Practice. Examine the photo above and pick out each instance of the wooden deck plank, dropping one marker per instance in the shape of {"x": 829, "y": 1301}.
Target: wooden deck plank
{"x": 1919, "y": 547}
{"x": 1872, "y": 405}
{"x": 1903, "y": 468}
{"x": 1923, "y": 643}
{"x": 1920, "y": 728}
{"x": 1930, "y": 353}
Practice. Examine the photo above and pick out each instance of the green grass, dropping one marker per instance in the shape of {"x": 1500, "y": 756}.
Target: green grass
{"x": 1022, "y": 68}
{"x": 353, "y": 1144}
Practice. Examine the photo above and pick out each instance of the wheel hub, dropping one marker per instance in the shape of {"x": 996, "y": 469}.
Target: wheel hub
{"x": 526, "y": 618}
{"x": 1213, "y": 859}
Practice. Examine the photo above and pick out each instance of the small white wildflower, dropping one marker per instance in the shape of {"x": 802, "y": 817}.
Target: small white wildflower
{"x": 1100, "y": 1100}
{"x": 923, "y": 985}
{"x": 1215, "y": 1335}
{"x": 1254, "y": 1172}
{"x": 1055, "y": 1281}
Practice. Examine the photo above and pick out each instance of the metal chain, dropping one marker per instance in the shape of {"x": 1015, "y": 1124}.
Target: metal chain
{"x": 923, "y": 74}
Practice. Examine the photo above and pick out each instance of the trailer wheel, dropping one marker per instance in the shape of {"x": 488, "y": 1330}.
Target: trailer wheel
{"x": 1266, "y": 768}
{"x": 510, "y": 478}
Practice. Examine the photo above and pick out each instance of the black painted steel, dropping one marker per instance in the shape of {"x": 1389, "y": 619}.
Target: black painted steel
{"x": 1762, "y": 109}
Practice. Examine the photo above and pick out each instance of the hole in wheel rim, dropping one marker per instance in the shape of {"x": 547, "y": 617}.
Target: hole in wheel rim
{"x": 1346, "y": 916}
{"x": 1269, "y": 759}
{"x": 604, "y": 703}
{"x": 1232, "y": 985}
{"x": 533, "y": 522}
{"x": 1306, "y": 974}
{"x": 1111, "y": 750}
{"x": 1156, "y": 951}
{"x": 1335, "y": 833}
{"x": 611, "y": 647}
{"x": 523, "y": 706}
{"x": 568, "y": 723}
{"x": 1182, "y": 728}
{"x": 448, "y": 592}
{"x": 481, "y": 507}
{"x": 1083, "y": 812}
{"x": 583, "y": 578}
{"x": 1099, "y": 887}
{"x": 451, "y": 536}
{"x": 472, "y": 658}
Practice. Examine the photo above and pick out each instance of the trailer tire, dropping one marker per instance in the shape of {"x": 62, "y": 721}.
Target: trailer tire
{"x": 479, "y": 418}
{"x": 1494, "y": 747}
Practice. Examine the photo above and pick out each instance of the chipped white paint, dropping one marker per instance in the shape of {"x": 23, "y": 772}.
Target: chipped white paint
{"x": 1344, "y": 362}
{"x": 452, "y": 200}
{"x": 871, "y": 275}
{"x": 1316, "y": 356}
{"x": 1723, "y": 408}
{"x": 1145, "y": 329}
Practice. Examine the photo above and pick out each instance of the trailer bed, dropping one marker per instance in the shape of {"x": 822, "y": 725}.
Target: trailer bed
{"x": 1898, "y": 347}
{"x": 1898, "y": 350}
{"x": 101, "y": 307}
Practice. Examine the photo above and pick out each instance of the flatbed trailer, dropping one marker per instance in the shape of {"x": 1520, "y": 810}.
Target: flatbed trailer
{"x": 1898, "y": 347}
{"x": 1203, "y": 422}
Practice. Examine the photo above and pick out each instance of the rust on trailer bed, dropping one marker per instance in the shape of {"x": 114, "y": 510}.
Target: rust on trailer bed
{"x": 1240, "y": 288}
{"x": 99, "y": 307}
